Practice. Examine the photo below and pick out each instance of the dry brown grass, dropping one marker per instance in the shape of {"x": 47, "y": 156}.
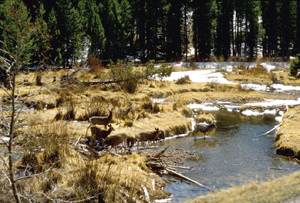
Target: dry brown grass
{"x": 258, "y": 108}
{"x": 119, "y": 179}
{"x": 115, "y": 178}
{"x": 208, "y": 118}
{"x": 288, "y": 136}
{"x": 256, "y": 74}
{"x": 203, "y": 96}
{"x": 273, "y": 191}
{"x": 260, "y": 75}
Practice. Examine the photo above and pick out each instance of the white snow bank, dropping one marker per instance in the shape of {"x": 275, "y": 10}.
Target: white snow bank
{"x": 249, "y": 112}
{"x": 281, "y": 88}
{"x": 267, "y": 65}
{"x": 275, "y": 103}
{"x": 200, "y": 76}
{"x": 204, "y": 107}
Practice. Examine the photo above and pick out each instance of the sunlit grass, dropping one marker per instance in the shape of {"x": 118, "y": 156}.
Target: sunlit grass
{"x": 288, "y": 136}
{"x": 276, "y": 190}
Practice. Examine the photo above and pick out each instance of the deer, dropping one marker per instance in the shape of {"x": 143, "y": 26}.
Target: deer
{"x": 204, "y": 128}
{"x": 100, "y": 134}
{"x": 102, "y": 120}
{"x": 114, "y": 140}
{"x": 98, "y": 120}
{"x": 148, "y": 136}
{"x": 161, "y": 134}
{"x": 131, "y": 139}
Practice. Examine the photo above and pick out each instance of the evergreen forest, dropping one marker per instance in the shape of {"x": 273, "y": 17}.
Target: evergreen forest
{"x": 164, "y": 29}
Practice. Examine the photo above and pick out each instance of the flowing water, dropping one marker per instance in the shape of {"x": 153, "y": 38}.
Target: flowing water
{"x": 236, "y": 153}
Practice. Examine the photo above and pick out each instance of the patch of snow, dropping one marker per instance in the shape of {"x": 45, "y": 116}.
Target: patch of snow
{"x": 281, "y": 87}
{"x": 275, "y": 103}
{"x": 249, "y": 112}
{"x": 204, "y": 123}
{"x": 232, "y": 108}
{"x": 157, "y": 100}
{"x": 204, "y": 107}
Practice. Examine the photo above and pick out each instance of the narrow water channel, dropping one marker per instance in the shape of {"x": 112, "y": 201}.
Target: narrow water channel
{"x": 235, "y": 154}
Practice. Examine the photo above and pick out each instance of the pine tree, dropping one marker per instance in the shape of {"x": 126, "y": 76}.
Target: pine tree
{"x": 285, "y": 27}
{"x": 70, "y": 30}
{"x": 54, "y": 31}
{"x": 251, "y": 34}
{"x": 223, "y": 29}
{"x": 174, "y": 30}
{"x": 202, "y": 28}
{"x": 297, "y": 38}
{"x": 124, "y": 22}
{"x": 94, "y": 29}
{"x": 20, "y": 37}
{"x": 269, "y": 17}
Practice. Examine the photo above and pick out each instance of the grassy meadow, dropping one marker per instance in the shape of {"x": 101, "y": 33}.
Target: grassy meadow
{"x": 56, "y": 116}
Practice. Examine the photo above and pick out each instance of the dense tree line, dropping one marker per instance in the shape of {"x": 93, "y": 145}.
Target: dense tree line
{"x": 163, "y": 29}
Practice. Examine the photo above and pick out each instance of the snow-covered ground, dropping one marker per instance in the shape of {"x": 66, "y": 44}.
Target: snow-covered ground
{"x": 208, "y": 72}
{"x": 229, "y": 65}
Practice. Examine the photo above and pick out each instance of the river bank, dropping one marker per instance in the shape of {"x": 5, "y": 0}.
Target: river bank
{"x": 283, "y": 189}
{"x": 169, "y": 105}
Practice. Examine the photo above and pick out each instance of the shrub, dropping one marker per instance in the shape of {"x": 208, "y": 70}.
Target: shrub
{"x": 164, "y": 71}
{"x": 295, "y": 65}
{"x": 95, "y": 64}
{"x": 124, "y": 73}
{"x": 183, "y": 80}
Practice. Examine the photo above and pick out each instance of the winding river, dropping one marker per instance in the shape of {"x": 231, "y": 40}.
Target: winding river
{"x": 236, "y": 153}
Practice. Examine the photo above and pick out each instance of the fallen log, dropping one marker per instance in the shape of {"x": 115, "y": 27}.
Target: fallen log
{"x": 180, "y": 167}
{"x": 161, "y": 152}
{"x": 186, "y": 178}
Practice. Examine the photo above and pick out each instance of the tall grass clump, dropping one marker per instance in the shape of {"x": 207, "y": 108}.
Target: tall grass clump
{"x": 183, "y": 80}
{"x": 92, "y": 110}
{"x": 150, "y": 107}
{"x": 118, "y": 179}
{"x": 295, "y": 65}
{"x": 69, "y": 114}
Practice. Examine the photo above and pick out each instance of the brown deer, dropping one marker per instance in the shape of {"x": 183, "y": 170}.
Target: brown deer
{"x": 204, "y": 128}
{"x": 100, "y": 134}
{"x": 131, "y": 139}
{"x": 148, "y": 136}
{"x": 102, "y": 120}
{"x": 114, "y": 140}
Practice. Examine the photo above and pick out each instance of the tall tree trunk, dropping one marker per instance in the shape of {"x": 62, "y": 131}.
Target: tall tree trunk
{"x": 185, "y": 33}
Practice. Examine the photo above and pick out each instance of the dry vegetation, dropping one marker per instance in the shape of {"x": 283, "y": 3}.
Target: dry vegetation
{"x": 288, "y": 136}
{"x": 260, "y": 75}
{"x": 284, "y": 189}
{"x": 60, "y": 116}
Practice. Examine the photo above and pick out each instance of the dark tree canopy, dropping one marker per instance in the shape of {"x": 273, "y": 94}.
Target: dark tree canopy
{"x": 165, "y": 29}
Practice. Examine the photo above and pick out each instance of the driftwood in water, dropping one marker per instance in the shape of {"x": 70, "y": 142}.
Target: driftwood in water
{"x": 173, "y": 172}
{"x": 156, "y": 164}
{"x": 277, "y": 126}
